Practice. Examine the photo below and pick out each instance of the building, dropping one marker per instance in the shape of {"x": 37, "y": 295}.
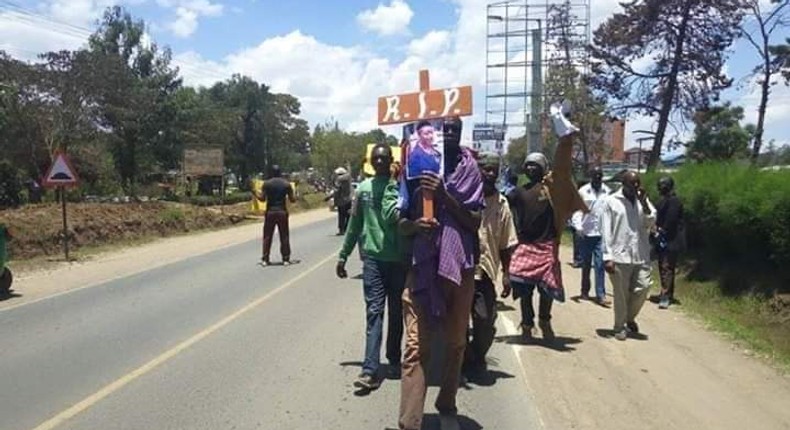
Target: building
{"x": 613, "y": 140}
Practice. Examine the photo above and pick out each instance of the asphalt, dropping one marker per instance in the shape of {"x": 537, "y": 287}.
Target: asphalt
{"x": 218, "y": 342}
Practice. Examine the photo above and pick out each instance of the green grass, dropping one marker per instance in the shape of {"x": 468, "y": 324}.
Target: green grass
{"x": 753, "y": 322}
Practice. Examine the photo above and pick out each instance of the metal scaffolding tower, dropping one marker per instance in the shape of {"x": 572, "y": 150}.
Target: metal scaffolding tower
{"x": 525, "y": 38}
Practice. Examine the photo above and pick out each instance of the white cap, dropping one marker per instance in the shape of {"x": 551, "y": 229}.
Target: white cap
{"x": 340, "y": 171}
{"x": 537, "y": 158}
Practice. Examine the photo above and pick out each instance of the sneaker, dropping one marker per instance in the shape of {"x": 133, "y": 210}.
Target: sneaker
{"x": 621, "y": 335}
{"x": 632, "y": 327}
{"x": 368, "y": 382}
{"x": 528, "y": 332}
{"x": 286, "y": 263}
{"x": 545, "y": 327}
{"x": 264, "y": 263}
{"x": 664, "y": 302}
{"x": 603, "y": 302}
{"x": 584, "y": 296}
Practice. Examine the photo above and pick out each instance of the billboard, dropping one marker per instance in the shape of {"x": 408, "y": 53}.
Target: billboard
{"x": 489, "y": 138}
{"x": 204, "y": 162}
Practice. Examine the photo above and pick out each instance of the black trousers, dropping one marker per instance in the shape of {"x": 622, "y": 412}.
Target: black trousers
{"x": 343, "y": 215}
{"x": 483, "y": 320}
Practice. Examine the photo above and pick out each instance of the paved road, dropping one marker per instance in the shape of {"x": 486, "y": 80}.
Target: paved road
{"x": 217, "y": 342}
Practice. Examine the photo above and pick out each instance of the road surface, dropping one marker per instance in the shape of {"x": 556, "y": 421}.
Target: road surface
{"x": 189, "y": 333}
{"x": 217, "y": 342}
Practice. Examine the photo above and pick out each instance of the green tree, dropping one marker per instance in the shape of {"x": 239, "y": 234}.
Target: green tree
{"x": 137, "y": 96}
{"x": 765, "y": 23}
{"x": 685, "y": 45}
{"x": 718, "y": 134}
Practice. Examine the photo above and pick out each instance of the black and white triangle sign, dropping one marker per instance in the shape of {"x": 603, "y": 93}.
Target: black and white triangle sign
{"x": 61, "y": 173}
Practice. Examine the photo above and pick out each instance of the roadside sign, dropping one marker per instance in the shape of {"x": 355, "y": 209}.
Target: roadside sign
{"x": 489, "y": 138}
{"x": 61, "y": 173}
{"x": 204, "y": 162}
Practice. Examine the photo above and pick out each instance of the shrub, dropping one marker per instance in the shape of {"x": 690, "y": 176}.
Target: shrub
{"x": 230, "y": 199}
{"x": 738, "y": 218}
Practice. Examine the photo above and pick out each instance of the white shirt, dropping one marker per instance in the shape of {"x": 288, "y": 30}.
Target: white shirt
{"x": 624, "y": 230}
{"x": 589, "y": 223}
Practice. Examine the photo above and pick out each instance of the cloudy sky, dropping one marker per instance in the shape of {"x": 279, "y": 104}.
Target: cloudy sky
{"x": 336, "y": 56}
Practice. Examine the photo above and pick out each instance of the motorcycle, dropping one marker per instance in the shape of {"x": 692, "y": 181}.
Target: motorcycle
{"x": 6, "y": 277}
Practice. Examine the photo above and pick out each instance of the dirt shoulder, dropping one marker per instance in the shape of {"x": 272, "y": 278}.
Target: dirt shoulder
{"x": 681, "y": 377}
{"x": 35, "y": 284}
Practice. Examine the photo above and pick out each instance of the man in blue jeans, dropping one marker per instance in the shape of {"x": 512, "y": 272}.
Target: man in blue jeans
{"x": 374, "y": 217}
{"x": 587, "y": 229}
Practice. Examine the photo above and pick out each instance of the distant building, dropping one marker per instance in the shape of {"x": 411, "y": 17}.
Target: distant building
{"x": 614, "y": 140}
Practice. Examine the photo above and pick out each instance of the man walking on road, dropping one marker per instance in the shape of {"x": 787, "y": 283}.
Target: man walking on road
{"x": 440, "y": 284}
{"x": 541, "y": 209}
{"x": 670, "y": 238}
{"x": 627, "y": 217}
{"x": 497, "y": 236}
{"x": 588, "y": 230}
{"x": 275, "y": 190}
{"x": 342, "y": 199}
{"x": 374, "y": 217}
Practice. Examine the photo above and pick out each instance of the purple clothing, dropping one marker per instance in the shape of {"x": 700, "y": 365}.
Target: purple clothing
{"x": 451, "y": 249}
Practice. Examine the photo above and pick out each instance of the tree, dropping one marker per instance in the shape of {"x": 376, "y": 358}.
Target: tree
{"x": 781, "y": 54}
{"x": 766, "y": 23}
{"x": 684, "y": 42}
{"x": 718, "y": 134}
{"x": 137, "y": 95}
{"x": 517, "y": 152}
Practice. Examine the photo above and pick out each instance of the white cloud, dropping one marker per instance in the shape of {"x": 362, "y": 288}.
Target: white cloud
{"x": 188, "y": 13}
{"x": 387, "y": 20}
{"x": 430, "y": 45}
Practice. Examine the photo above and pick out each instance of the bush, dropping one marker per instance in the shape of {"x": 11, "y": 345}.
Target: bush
{"x": 737, "y": 218}
{"x": 172, "y": 215}
{"x": 230, "y": 199}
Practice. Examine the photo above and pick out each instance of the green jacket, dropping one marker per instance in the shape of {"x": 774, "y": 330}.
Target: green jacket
{"x": 374, "y": 216}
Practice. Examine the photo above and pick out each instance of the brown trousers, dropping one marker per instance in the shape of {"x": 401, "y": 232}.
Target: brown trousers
{"x": 417, "y": 354}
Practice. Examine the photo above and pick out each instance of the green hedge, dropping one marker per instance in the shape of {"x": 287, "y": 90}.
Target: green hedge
{"x": 230, "y": 199}
{"x": 738, "y": 219}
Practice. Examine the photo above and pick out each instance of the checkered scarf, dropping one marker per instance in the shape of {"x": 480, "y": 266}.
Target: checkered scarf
{"x": 539, "y": 264}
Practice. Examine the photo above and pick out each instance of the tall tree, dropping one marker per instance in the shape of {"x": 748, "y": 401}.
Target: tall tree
{"x": 138, "y": 94}
{"x": 683, "y": 43}
{"x": 758, "y": 30}
{"x": 719, "y": 135}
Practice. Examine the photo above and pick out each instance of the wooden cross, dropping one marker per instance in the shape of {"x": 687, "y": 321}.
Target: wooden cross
{"x": 423, "y": 105}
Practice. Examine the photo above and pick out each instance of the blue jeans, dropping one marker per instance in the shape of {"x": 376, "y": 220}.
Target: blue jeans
{"x": 577, "y": 249}
{"x": 592, "y": 257}
{"x": 383, "y": 282}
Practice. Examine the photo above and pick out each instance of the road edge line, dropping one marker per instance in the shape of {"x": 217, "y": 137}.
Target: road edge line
{"x": 124, "y": 380}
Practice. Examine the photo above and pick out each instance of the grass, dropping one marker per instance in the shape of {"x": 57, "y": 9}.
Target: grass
{"x": 306, "y": 203}
{"x": 758, "y": 324}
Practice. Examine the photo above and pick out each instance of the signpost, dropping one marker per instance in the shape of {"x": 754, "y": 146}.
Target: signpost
{"x": 61, "y": 174}
{"x": 489, "y": 137}
{"x": 425, "y": 104}
{"x": 206, "y": 162}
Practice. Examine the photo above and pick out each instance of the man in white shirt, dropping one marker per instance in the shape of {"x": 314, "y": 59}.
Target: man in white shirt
{"x": 588, "y": 229}
{"x": 627, "y": 217}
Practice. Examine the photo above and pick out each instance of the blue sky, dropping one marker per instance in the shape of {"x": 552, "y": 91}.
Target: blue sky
{"x": 337, "y": 56}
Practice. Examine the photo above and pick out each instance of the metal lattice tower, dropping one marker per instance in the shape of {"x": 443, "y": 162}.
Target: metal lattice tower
{"x": 525, "y": 39}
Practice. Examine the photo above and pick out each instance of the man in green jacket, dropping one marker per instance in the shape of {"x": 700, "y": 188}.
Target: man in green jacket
{"x": 374, "y": 216}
